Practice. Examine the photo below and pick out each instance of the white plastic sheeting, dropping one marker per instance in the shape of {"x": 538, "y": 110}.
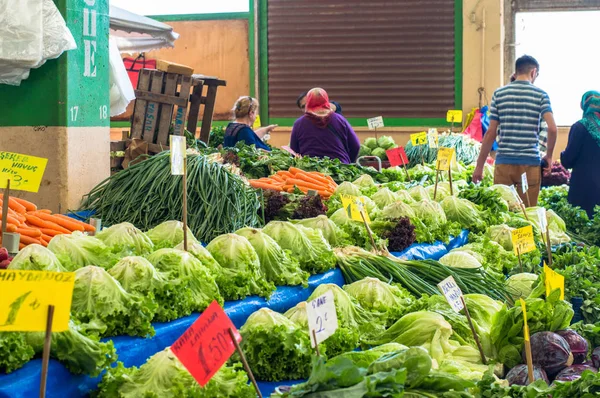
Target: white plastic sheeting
{"x": 121, "y": 89}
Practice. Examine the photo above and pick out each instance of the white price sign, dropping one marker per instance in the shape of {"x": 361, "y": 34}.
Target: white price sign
{"x": 452, "y": 292}
{"x": 433, "y": 138}
{"x": 177, "y": 155}
{"x": 524, "y": 183}
{"x": 322, "y": 318}
{"x": 375, "y": 122}
{"x": 516, "y": 194}
{"x": 543, "y": 219}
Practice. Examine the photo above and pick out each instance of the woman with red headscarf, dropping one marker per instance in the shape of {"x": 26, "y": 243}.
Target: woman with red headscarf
{"x": 323, "y": 133}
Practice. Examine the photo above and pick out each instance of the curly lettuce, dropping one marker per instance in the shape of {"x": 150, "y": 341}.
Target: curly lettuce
{"x": 331, "y": 232}
{"x": 14, "y": 351}
{"x": 125, "y": 239}
{"x": 197, "y": 250}
{"x": 77, "y": 250}
{"x": 169, "y": 234}
{"x": 36, "y": 258}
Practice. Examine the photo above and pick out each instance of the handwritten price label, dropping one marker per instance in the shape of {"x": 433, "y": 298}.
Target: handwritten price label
{"x": 207, "y": 344}
{"x": 513, "y": 190}
{"x": 24, "y": 172}
{"x": 444, "y": 159}
{"x": 524, "y": 183}
{"x": 433, "y": 138}
{"x": 322, "y": 318}
{"x": 26, "y": 296}
{"x": 397, "y": 156}
{"x": 375, "y": 123}
{"x": 452, "y": 292}
{"x": 418, "y": 138}
{"x": 543, "y": 219}
{"x": 454, "y": 116}
{"x": 522, "y": 240}
{"x": 354, "y": 206}
{"x": 178, "y": 155}
{"x": 554, "y": 280}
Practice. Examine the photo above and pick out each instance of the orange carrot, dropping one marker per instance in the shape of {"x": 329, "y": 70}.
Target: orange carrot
{"x": 68, "y": 224}
{"x": 311, "y": 180}
{"x": 16, "y": 215}
{"x": 284, "y": 173}
{"x": 16, "y": 206}
{"x": 29, "y": 240}
{"x": 302, "y": 183}
{"x": 317, "y": 177}
{"x": 31, "y": 232}
{"x": 50, "y": 232}
{"x": 277, "y": 178}
{"x": 295, "y": 170}
{"x": 44, "y": 211}
{"x": 86, "y": 226}
{"x": 25, "y": 203}
{"x": 12, "y": 220}
{"x": 10, "y": 227}
{"x": 47, "y": 238}
{"x": 38, "y": 222}
{"x": 21, "y": 246}
{"x": 263, "y": 185}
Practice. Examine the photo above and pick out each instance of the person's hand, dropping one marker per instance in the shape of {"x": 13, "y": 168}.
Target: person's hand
{"x": 478, "y": 175}
{"x": 270, "y": 128}
{"x": 548, "y": 169}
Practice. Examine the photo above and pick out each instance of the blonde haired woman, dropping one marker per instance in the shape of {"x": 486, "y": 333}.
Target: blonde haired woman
{"x": 245, "y": 111}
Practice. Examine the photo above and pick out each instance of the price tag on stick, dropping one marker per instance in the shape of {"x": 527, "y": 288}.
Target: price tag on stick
{"x": 375, "y": 123}
{"x": 444, "y": 159}
{"x": 24, "y": 172}
{"x": 397, "y": 156}
{"x": 322, "y": 318}
{"x": 418, "y": 138}
{"x": 554, "y": 280}
{"x": 433, "y": 138}
{"x": 178, "y": 155}
{"x": 454, "y": 116}
{"x": 523, "y": 241}
{"x": 354, "y": 205}
{"x": 525, "y": 188}
{"x": 527, "y": 342}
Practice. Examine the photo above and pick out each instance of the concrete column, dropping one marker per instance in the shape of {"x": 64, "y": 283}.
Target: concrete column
{"x": 61, "y": 112}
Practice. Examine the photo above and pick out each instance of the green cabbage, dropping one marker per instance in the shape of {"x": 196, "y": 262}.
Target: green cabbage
{"x": 126, "y": 240}
{"x": 103, "y": 307}
{"x": 508, "y": 195}
{"x": 556, "y": 225}
{"x": 138, "y": 275}
{"x": 355, "y": 230}
{"x": 77, "y": 250}
{"x": 478, "y": 256}
{"x": 164, "y": 376}
{"x": 363, "y": 359}
{"x": 306, "y": 244}
{"x": 430, "y": 213}
{"x": 14, "y": 351}
{"x": 197, "y": 250}
{"x": 502, "y": 234}
{"x": 463, "y": 212}
{"x": 278, "y": 265}
{"x": 520, "y": 285}
{"x": 418, "y": 193}
{"x": 384, "y": 197}
{"x": 36, "y": 258}
{"x": 371, "y": 142}
{"x": 347, "y": 188}
{"x": 380, "y": 153}
{"x": 168, "y": 235}
{"x": 276, "y": 348}
{"x": 386, "y": 142}
{"x": 186, "y": 272}
{"x": 331, "y": 232}
{"x": 78, "y": 352}
{"x": 397, "y": 210}
{"x": 443, "y": 191}
{"x": 242, "y": 275}
{"x": 405, "y": 196}
{"x": 364, "y": 181}
{"x": 460, "y": 260}
{"x": 364, "y": 151}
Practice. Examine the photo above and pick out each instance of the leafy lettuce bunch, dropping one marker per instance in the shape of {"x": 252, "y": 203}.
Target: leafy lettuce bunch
{"x": 197, "y": 250}
{"x": 36, "y": 258}
{"x": 126, "y": 240}
{"x": 78, "y": 250}
{"x": 242, "y": 275}
{"x": 104, "y": 308}
{"x": 169, "y": 234}
{"x": 14, "y": 351}
{"x": 331, "y": 232}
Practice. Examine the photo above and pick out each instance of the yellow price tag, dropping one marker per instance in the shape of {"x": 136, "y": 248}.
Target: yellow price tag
{"x": 525, "y": 325}
{"x": 444, "y": 159}
{"x": 24, "y": 172}
{"x": 26, "y": 296}
{"x": 522, "y": 240}
{"x": 454, "y": 116}
{"x": 354, "y": 205}
{"x": 554, "y": 280}
{"x": 256, "y": 124}
{"x": 418, "y": 138}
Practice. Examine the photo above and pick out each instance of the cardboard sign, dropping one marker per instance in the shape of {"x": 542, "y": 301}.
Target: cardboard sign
{"x": 444, "y": 159}
{"x": 256, "y": 124}
{"x": 454, "y": 116}
{"x": 397, "y": 156}
{"x": 207, "y": 344}
{"x": 418, "y": 138}
{"x": 178, "y": 155}
{"x": 354, "y": 205}
{"x": 525, "y": 325}
{"x": 322, "y": 318}
{"x": 26, "y": 296}
{"x": 375, "y": 122}
{"x": 524, "y": 183}
{"x": 433, "y": 138}
{"x": 24, "y": 172}
{"x": 522, "y": 240}
{"x": 543, "y": 219}
{"x": 554, "y": 280}
{"x": 452, "y": 292}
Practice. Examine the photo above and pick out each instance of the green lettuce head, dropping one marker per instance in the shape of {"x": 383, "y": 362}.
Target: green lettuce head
{"x": 386, "y": 142}
{"x": 126, "y": 240}
{"x": 36, "y": 258}
{"x": 15, "y": 351}
{"x": 520, "y": 285}
{"x": 397, "y": 210}
{"x": 508, "y": 195}
{"x": 371, "y": 142}
{"x": 331, "y": 232}
{"x": 463, "y": 212}
{"x": 460, "y": 260}
{"x": 276, "y": 348}
{"x": 502, "y": 234}
{"x": 384, "y": 197}
{"x": 364, "y": 181}
{"x": 197, "y": 250}
{"x": 187, "y": 273}
{"x": 168, "y": 235}
{"x": 276, "y": 264}
{"x": 374, "y": 295}
{"x": 306, "y": 244}
{"x": 429, "y": 212}
{"x": 78, "y": 250}
{"x": 242, "y": 275}
{"x": 443, "y": 191}
{"x": 418, "y": 193}
{"x": 347, "y": 188}
{"x": 104, "y": 308}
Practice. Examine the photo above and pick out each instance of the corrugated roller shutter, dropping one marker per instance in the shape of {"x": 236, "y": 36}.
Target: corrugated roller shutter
{"x": 389, "y": 58}
{"x": 550, "y": 5}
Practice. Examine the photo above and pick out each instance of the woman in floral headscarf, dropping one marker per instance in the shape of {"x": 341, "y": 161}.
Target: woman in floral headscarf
{"x": 323, "y": 133}
{"x": 583, "y": 155}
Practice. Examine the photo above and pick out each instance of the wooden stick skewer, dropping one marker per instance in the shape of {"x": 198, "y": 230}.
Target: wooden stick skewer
{"x": 5, "y": 206}
{"x": 316, "y": 344}
{"x": 245, "y": 362}
{"x": 46, "y": 352}
{"x": 479, "y": 346}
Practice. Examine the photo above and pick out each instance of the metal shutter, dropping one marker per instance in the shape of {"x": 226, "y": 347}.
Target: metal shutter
{"x": 389, "y": 58}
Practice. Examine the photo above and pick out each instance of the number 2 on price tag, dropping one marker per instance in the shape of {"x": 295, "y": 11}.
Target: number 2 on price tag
{"x": 207, "y": 344}
{"x": 322, "y": 318}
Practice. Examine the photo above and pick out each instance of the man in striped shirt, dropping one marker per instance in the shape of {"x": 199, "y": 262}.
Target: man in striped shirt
{"x": 516, "y": 112}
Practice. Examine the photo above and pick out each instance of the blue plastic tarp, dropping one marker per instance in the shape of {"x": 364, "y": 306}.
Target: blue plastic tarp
{"x": 134, "y": 351}
{"x": 422, "y": 251}
{"x": 458, "y": 241}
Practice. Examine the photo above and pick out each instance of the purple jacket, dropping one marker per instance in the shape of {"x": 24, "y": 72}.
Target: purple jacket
{"x": 310, "y": 140}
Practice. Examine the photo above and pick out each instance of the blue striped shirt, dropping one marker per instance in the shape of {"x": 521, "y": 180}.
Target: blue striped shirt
{"x": 519, "y": 108}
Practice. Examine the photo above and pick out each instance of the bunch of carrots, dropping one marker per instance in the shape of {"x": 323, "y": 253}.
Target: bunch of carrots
{"x": 288, "y": 181}
{"x": 38, "y": 226}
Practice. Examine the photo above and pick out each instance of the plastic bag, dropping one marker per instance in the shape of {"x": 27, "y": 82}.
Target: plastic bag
{"x": 57, "y": 38}
{"x": 121, "y": 89}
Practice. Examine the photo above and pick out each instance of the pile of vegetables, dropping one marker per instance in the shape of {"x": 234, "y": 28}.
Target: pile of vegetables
{"x": 466, "y": 149}
{"x": 296, "y": 179}
{"x": 38, "y": 226}
{"x": 377, "y": 147}
{"x": 558, "y": 176}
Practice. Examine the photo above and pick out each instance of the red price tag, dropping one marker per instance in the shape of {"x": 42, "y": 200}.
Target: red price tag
{"x": 397, "y": 156}
{"x": 207, "y": 344}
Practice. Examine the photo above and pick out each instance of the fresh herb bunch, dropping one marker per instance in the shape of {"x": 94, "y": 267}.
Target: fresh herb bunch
{"x": 217, "y": 136}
